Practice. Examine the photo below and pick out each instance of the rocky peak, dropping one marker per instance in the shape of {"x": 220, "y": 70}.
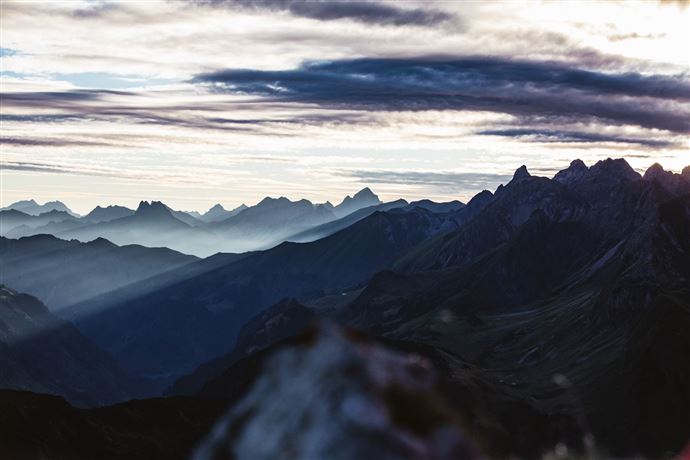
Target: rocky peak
{"x": 521, "y": 173}
{"x": 654, "y": 171}
{"x": 365, "y": 193}
{"x": 480, "y": 200}
{"x": 153, "y": 209}
{"x": 348, "y": 398}
{"x": 686, "y": 172}
{"x": 618, "y": 169}
{"x": 217, "y": 208}
{"x": 361, "y": 199}
{"x": 673, "y": 183}
{"x": 572, "y": 173}
{"x": 363, "y": 196}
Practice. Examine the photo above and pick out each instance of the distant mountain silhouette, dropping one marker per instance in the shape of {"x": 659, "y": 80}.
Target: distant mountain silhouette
{"x": 270, "y": 222}
{"x": 362, "y": 199}
{"x": 15, "y": 223}
{"x": 99, "y": 214}
{"x": 62, "y": 273}
{"x": 34, "y": 209}
{"x": 218, "y": 213}
{"x": 329, "y": 228}
{"x": 438, "y": 207}
{"x": 154, "y": 224}
{"x": 42, "y": 353}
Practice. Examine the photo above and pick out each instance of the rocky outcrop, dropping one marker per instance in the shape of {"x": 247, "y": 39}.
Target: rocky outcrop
{"x": 339, "y": 396}
{"x": 674, "y": 184}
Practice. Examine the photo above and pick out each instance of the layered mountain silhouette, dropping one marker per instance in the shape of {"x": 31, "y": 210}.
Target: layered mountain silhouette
{"x": 32, "y": 208}
{"x": 572, "y": 291}
{"x": 108, "y": 213}
{"x": 14, "y": 223}
{"x": 321, "y": 231}
{"x": 438, "y": 207}
{"x": 154, "y": 224}
{"x": 362, "y": 199}
{"x": 218, "y": 213}
{"x": 42, "y": 353}
{"x": 63, "y": 273}
{"x": 554, "y": 311}
{"x": 200, "y": 316}
{"x": 593, "y": 273}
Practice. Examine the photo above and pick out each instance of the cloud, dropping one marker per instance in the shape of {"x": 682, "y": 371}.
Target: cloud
{"x": 557, "y": 93}
{"x": 447, "y": 181}
{"x": 33, "y": 167}
{"x": 634, "y": 36}
{"x": 77, "y": 95}
{"x": 36, "y": 118}
{"x": 365, "y": 11}
{"x": 553, "y": 136}
{"x": 49, "y": 142}
{"x": 87, "y": 170}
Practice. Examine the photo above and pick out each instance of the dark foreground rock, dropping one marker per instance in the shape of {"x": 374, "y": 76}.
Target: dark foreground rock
{"x": 341, "y": 397}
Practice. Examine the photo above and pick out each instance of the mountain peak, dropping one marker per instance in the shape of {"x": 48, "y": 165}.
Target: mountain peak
{"x": 361, "y": 199}
{"x": 686, "y": 172}
{"x": 575, "y": 171}
{"x": 521, "y": 173}
{"x": 271, "y": 200}
{"x": 154, "y": 208}
{"x": 617, "y": 169}
{"x": 216, "y": 208}
{"x": 365, "y": 193}
{"x": 33, "y": 208}
{"x": 653, "y": 171}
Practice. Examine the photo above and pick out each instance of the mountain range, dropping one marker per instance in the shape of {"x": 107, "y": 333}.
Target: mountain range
{"x": 86, "y": 270}
{"x": 153, "y": 224}
{"x": 32, "y": 208}
{"x": 199, "y": 316}
{"x": 553, "y": 311}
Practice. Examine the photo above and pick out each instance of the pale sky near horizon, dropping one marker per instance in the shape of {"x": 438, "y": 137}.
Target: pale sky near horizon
{"x": 194, "y": 103}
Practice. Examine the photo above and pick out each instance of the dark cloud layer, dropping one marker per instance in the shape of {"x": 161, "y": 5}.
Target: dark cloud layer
{"x": 553, "y": 136}
{"x": 557, "y": 93}
{"x": 368, "y": 12}
{"x": 49, "y": 142}
{"x": 447, "y": 181}
{"x": 80, "y": 95}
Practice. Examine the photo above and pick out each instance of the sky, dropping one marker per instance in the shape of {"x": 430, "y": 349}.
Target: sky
{"x": 199, "y": 102}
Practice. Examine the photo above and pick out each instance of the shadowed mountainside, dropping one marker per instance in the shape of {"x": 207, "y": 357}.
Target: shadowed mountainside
{"x": 63, "y": 273}
{"x": 36, "y": 426}
{"x": 593, "y": 269}
{"x": 170, "y": 331}
{"x": 42, "y": 353}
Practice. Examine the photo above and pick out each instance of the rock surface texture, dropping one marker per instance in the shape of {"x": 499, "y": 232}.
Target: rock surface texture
{"x": 340, "y": 396}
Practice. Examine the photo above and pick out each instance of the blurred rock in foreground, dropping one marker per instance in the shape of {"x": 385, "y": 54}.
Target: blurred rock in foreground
{"x": 340, "y": 397}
